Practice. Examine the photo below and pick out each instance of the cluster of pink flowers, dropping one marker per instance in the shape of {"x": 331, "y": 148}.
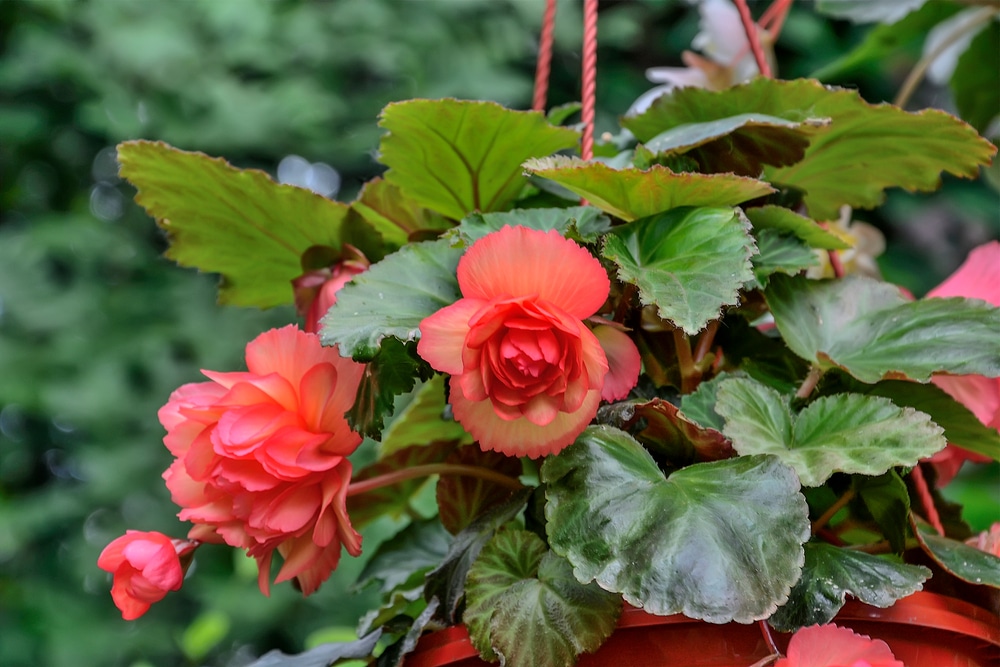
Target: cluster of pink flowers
{"x": 261, "y": 456}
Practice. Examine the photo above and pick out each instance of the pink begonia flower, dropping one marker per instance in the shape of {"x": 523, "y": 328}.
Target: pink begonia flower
{"x": 988, "y": 540}
{"x": 527, "y": 373}
{"x": 834, "y": 646}
{"x": 727, "y": 60}
{"x": 316, "y": 291}
{"x": 262, "y": 455}
{"x": 977, "y": 278}
{"x": 146, "y": 567}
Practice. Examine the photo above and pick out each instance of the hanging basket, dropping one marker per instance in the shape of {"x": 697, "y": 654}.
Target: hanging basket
{"x": 923, "y": 630}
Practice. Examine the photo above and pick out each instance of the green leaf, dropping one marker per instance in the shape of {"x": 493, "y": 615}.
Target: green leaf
{"x": 740, "y": 144}
{"x": 866, "y": 11}
{"x": 419, "y": 547}
{"x": 691, "y": 543}
{"x": 780, "y": 219}
{"x": 842, "y": 433}
{"x": 666, "y": 431}
{"x": 462, "y": 498}
{"x": 525, "y": 607}
{"x": 867, "y": 149}
{"x": 322, "y": 655}
{"x": 634, "y": 193}
{"x": 423, "y": 421}
{"x": 977, "y": 87}
{"x": 456, "y": 157}
{"x": 586, "y": 222}
{"x": 888, "y": 501}
{"x": 965, "y": 562}
{"x": 383, "y": 206}
{"x": 700, "y": 404}
{"x": 870, "y": 330}
{"x": 395, "y": 654}
{"x": 236, "y": 222}
{"x": 961, "y": 427}
{"x": 393, "y": 371}
{"x": 778, "y": 252}
{"x": 393, "y": 500}
{"x": 392, "y": 297}
{"x": 832, "y": 573}
{"x": 447, "y": 581}
{"x": 688, "y": 262}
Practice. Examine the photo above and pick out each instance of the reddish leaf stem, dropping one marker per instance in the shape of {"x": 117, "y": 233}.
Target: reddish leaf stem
{"x": 396, "y": 476}
{"x": 926, "y": 499}
{"x": 705, "y": 342}
{"x": 809, "y": 383}
{"x": 685, "y": 361}
{"x": 766, "y": 631}
{"x": 751, "y": 30}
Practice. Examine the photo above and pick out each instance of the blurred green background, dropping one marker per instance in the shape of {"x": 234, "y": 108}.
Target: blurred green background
{"x": 96, "y": 329}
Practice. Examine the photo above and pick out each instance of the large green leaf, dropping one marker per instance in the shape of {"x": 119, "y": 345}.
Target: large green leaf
{"x": 584, "y": 222}
{"x": 688, "y": 262}
{"x": 392, "y": 297}
{"x": 781, "y": 219}
{"x": 634, "y": 193}
{"x": 236, "y": 222}
{"x": 740, "y": 144}
{"x": 832, "y": 573}
{"x": 419, "y": 547}
{"x": 840, "y": 433}
{"x": 525, "y": 608}
{"x": 867, "y": 149}
{"x": 870, "y": 330}
{"x": 423, "y": 420}
{"x": 447, "y": 581}
{"x": 780, "y": 252}
{"x": 691, "y": 543}
{"x": 462, "y": 498}
{"x": 965, "y": 562}
{"x": 977, "y": 88}
{"x": 384, "y": 206}
{"x": 456, "y": 157}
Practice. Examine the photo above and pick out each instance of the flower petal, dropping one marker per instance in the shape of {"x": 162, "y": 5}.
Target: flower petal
{"x": 624, "y": 363}
{"x": 977, "y": 278}
{"x": 522, "y": 262}
{"x": 826, "y": 645}
{"x": 442, "y": 335}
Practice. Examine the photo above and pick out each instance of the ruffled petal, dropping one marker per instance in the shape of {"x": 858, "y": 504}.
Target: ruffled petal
{"x": 442, "y": 335}
{"x": 624, "y": 363}
{"x": 522, "y": 262}
{"x": 826, "y": 645}
{"x": 977, "y": 278}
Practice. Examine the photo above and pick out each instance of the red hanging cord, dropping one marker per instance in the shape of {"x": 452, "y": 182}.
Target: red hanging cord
{"x": 544, "y": 65}
{"x": 589, "y": 84}
{"x": 753, "y": 38}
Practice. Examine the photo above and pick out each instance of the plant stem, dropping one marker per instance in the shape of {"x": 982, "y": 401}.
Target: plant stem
{"x": 766, "y": 631}
{"x": 809, "y": 383}
{"x": 926, "y": 499}
{"x": 764, "y": 662}
{"x": 705, "y": 342}
{"x": 751, "y": 30}
{"x": 838, "y": 505}
{"x": 916, "y": 75}
{"x": 685, "y": 361}
{"x": 396, "y": 476}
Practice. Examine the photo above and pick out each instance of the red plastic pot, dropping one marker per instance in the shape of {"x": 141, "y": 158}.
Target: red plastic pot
{"x": 923, "y": 630}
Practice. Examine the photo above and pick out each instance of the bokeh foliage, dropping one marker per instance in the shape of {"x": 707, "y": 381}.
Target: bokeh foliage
{"x": 96, "y": 328}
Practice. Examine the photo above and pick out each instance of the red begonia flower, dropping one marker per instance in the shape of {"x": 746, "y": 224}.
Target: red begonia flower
{"x": 834, "y": 646}
{"x": 527, "y": 373}
{"x": 145, "y": 566}
{"x": 977, "y": 278}
{"x": 316, "y": 291}
{"x": 262, "y": 455}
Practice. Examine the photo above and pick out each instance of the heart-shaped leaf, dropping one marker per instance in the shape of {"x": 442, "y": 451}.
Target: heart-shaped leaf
{"x": 456, "y": 156}
{"x": 840, "y": 433}
{"x": 831, "y": 574}
{"x": 870, "y": 330}
{"x": 392, "y": 297}
{"x": 237, "y": 222}
{"x": 525, "y": 607}
{"x": 635, "y": 193}
{"x": 688, "y": 262}
{"x": 691, "y": 543}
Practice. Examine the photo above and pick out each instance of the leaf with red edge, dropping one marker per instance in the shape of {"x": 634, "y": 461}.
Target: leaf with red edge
{"x": 456, "y": 156}
{"x": 394, "y": 499}
{"x": 965, "y": 562}
{"x": 461, "y": 498}
{"x": 635, "y": 193}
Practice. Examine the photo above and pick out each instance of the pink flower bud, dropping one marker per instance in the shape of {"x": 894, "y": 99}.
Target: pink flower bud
{"x": 145, "y": 567}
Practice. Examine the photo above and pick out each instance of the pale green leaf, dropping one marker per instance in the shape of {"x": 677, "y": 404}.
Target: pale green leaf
{"x": 688, "y": 262}
{"x": 872, "y": 331}
{"x": 779, "y": 252}
{"x": 841, "y": 433}
{"x": 781, "y": 219}
{"x": 456, "y": 157}
{"x": 831, "y": 574}
{"x": 237, "y": 222}
{"x": 634, "y": 193}
{"x": 690, "y": 543}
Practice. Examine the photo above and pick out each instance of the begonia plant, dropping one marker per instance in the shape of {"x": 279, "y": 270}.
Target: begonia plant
{"x": 674, "y": 394}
